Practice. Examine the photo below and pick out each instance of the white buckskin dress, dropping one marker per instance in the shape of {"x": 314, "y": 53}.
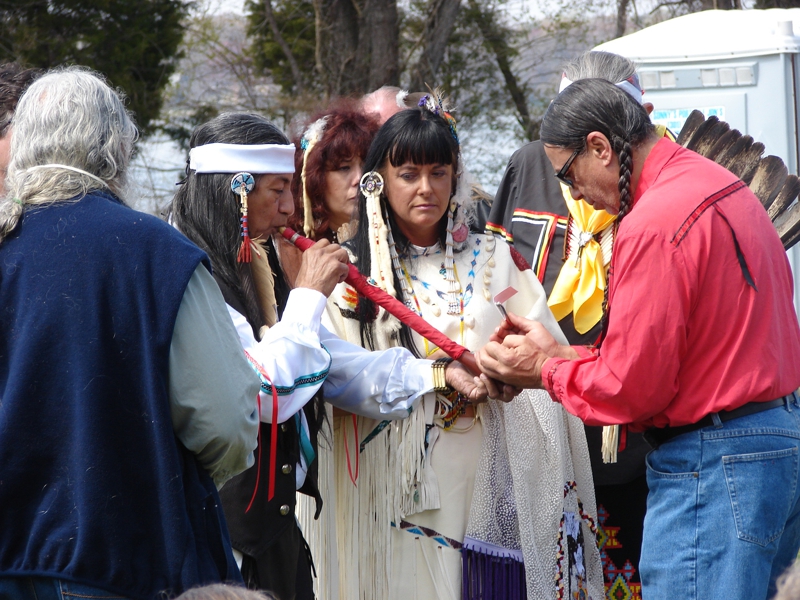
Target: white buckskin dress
{"x": 507, "y": 493}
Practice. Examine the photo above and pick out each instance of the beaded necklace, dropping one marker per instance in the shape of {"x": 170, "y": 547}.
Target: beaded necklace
{"x": 463, "y": 295}
{"x": 451, "y": 407}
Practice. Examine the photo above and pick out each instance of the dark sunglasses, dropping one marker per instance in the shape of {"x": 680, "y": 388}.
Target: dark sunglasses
{"x": 562, "y": 174}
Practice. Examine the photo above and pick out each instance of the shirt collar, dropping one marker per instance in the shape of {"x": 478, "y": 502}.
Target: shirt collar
{"x": 664, "y": 150}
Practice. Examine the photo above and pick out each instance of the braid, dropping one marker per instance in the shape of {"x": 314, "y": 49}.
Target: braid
{"x": 625, "y": 156}
{"x": 604, "y": 319}
{"x": 622, "y": 148}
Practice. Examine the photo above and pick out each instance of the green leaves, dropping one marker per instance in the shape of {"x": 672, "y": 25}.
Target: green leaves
{"x": 134, "y": 43}
{"x": 294, "y": 22}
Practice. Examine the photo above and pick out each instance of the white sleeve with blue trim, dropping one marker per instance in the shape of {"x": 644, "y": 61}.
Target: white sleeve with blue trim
{"x": 290, "y": 353}
{"x": 381, "y": 385}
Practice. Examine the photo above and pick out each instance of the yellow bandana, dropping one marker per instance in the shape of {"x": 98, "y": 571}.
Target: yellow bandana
{"x": 581, "y": 283}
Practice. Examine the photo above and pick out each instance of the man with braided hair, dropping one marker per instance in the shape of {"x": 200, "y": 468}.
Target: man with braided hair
{"x": 701, "y": 349}
{"x": 568, "y": 245}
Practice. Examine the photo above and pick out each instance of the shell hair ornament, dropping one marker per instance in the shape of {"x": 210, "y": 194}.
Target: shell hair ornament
{"x": 310, "y": 138}
{"x": 242, "y": 184}
{"x": 382, "y": 250}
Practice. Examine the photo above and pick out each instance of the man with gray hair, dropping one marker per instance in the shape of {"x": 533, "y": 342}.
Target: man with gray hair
{"x": 124, "y": 393}
{"x": 568, "y": 244}
{"x": 382, "y": 103}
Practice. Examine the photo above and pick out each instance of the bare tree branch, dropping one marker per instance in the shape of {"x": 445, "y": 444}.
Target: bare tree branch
{"x": 622, "y": 17}
{"x": 496, "y": 42}
{"x": 269, "y": 16}
{"x": 438, "y": 28}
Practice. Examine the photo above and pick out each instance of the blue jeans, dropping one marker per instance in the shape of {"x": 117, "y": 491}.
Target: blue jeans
{"x": 723, "y": 512}
{"x": 47, "y": 588}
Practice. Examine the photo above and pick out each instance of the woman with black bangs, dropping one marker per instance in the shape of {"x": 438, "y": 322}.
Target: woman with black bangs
{"x": 238, "y": 180}
{"x": 436, "y": 508}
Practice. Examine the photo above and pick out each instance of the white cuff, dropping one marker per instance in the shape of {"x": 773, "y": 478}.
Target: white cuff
{"x": 301, "y": 303}
{"x": 418, "y": 376}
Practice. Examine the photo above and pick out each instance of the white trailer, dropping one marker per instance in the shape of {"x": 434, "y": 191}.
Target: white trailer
{"x": 741, "y": 65}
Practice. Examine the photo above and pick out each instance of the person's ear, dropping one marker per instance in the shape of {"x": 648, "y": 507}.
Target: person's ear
{"x": 648, "y": 106}
{"x": 598, "y": 146}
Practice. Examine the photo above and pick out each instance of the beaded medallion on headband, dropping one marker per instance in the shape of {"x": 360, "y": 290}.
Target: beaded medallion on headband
{"x": 242, "y": 184}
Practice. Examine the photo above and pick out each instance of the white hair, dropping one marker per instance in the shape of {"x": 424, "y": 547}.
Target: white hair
{"x": 382, "y": 103}
{"x": 596, "y": 64}
{"x": 71, "y": 134}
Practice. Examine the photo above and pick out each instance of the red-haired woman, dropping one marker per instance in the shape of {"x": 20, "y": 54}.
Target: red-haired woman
{"x": 328, "y": 165}
{"x": 329, "y": 159}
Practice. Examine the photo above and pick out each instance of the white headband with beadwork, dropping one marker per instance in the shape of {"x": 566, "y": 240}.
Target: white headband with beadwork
{"x": 625, "y": 86}
{"x": 235, "y": 158}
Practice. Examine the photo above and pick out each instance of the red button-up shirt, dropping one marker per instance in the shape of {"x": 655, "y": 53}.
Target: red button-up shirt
{"x": 687, "y": 335}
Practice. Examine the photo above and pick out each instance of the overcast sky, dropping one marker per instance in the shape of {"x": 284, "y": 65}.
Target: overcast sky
{"x": 237, "y": 6}
{"x": 222, "y": 6}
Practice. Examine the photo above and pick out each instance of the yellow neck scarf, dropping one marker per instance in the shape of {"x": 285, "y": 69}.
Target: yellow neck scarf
{"x": 581, "y": 284}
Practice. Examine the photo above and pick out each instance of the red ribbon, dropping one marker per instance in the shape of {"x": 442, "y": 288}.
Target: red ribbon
{"x": 393, "y": 306}
{"x": 273, "y": 438}
{"x": 353, "y": 478}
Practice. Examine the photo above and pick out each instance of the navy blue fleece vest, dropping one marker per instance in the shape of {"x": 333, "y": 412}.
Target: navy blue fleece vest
{"x": 94, "y": 485}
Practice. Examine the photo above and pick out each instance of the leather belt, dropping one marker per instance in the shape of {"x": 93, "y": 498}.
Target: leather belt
{"x": 659, "y": 435}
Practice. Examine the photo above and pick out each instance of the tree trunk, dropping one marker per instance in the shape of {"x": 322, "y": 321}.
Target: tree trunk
{"x": 622, "y": 17}
{"x": 357, "y": 45}
{"x": 337, "y": 34}
{"x": 438, "y": 28}
{"x": 721, "y": 4}
{"x": 497, "y": 44}
{"x": 269, "y": 17}
{"x": 381, "y": 23}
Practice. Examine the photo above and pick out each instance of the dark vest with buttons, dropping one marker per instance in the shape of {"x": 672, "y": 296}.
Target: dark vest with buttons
{"x": 254, "y": 531}
{"x": 94, "y": 485}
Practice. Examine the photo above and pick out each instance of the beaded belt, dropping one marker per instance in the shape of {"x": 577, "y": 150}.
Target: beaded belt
{"x": 659, "y": 435}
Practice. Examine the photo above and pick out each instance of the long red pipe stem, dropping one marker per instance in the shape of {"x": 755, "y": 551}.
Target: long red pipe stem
{"x": 393, "y": 306}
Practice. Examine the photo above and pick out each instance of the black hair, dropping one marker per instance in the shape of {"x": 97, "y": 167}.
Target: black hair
{"x": 420, "y": 137}
{"x": 207, "y": 212}
{"x": 14, "y": 80}
{"x": 596, "y": 105}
